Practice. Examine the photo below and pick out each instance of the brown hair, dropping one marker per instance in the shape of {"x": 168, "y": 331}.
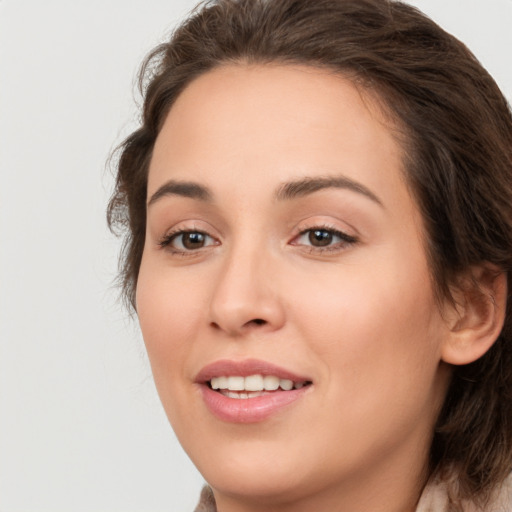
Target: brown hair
{"x": 457, "y": 131}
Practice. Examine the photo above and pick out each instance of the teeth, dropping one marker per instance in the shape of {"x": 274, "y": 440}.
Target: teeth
{"x": 236, "y": 383}
{"x": 286, "y": 384}
{"x": 220, "y": 383}
{"x": 252, "y": 383}
{"x": 270, "y": 382}
{"x": 234, "y": 394}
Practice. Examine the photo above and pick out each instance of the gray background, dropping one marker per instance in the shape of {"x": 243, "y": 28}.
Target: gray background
{"x": 81, "y": 428}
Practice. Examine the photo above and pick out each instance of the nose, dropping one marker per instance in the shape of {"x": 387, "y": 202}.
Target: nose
{"x": 246, "y": 296}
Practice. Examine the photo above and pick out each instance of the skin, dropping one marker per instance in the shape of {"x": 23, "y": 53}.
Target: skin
{"x": 358, "y": 318}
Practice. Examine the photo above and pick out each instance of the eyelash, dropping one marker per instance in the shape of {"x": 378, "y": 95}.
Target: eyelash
{"x": 166, "y": 241}
{"x": 346, "y": 240}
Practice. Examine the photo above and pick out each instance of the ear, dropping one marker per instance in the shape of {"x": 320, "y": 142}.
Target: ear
{"x": 476, "y": 319}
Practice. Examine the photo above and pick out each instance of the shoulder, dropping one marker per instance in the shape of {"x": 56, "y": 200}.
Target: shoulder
{"x": 435, "y": 498}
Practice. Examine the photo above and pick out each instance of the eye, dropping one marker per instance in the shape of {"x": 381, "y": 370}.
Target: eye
{"x": 323, "y": 238}
{"x": 187, "y": 241}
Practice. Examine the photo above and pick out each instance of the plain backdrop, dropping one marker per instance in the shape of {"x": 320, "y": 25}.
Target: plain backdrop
{"x": 81, "y": 428}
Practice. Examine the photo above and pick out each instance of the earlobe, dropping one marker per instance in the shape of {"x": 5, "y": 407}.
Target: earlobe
{"x": 476, "y": 320}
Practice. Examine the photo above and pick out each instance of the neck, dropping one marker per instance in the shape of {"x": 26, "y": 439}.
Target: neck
{"x": 386, "y": 487}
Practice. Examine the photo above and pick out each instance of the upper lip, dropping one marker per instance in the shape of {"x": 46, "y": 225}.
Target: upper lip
{"x": 244, "y": 368}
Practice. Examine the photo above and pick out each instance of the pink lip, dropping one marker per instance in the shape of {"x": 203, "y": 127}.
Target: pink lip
{"x": 250, "y": 410}
{"x": 226, "y": 367}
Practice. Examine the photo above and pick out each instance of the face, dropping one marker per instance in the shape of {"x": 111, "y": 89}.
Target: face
{"x": 284, "y": 250}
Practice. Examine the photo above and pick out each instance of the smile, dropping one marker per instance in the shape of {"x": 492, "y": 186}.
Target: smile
{"x": 252, "y": 386}
{"x": 249, "y": 391}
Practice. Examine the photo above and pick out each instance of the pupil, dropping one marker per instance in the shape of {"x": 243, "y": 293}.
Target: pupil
{"x": 320, "y": 237}
{"x": 193, "y": 240}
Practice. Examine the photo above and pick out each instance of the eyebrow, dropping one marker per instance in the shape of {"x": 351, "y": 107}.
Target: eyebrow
{"x": 182, "y": 188}
{"x": 306, "y": 186}
{"x": 286, "y": 191}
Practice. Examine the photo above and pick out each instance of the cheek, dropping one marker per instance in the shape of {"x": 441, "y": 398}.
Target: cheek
{"x": 372, "y": 323}
{"x": 168, "y": 313}
{"x": 375, "y": 336}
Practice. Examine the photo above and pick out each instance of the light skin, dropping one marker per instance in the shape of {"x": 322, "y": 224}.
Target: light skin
{"x": 250, "y": 162}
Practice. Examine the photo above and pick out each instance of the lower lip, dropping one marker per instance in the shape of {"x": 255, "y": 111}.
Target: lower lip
{"x": 249, "y": 410}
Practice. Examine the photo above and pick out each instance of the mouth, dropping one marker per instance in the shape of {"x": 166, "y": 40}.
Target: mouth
{"x": 249, "y": 391}
{"x": 253, "y": 386}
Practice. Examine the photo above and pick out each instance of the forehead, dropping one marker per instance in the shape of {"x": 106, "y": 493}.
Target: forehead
{"x": 270, "y": 123}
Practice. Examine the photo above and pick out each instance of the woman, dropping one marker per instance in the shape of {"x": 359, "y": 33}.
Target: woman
{"x": 318, "y": 250}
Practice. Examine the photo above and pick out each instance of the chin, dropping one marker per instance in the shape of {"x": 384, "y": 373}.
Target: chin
{"x": 251, "y": 468}
{"x": 259, "y": 482}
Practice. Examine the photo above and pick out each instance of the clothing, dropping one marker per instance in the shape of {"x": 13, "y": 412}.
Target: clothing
{"x": 433, "y": 499}
{"x": 206, "y": 501}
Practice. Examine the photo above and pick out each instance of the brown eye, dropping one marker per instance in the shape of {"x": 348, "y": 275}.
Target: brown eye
{"x": 324, "y": 239}
{"x": 186, "y": 241}
{"x": 193, "y": 240}
{"x": 320, "y": 237}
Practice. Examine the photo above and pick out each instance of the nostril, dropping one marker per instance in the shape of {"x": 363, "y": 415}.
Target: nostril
{"x": 256, "y": 321}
